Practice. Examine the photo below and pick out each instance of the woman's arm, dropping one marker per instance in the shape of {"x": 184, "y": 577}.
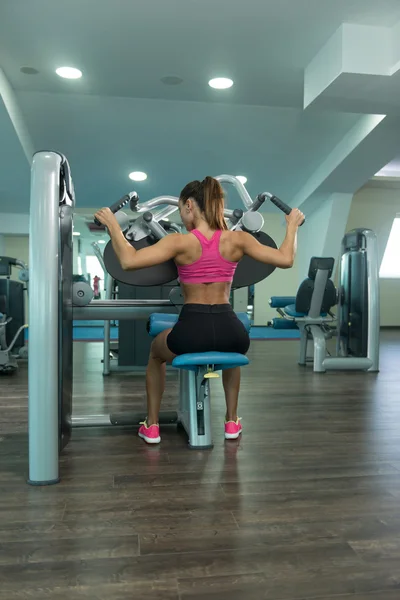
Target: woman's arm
{"x": 129, "y": 258}
{"x": 285, "y": 255}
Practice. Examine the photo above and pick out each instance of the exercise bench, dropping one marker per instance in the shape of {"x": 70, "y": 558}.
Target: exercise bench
{"x": 195, "y": 372}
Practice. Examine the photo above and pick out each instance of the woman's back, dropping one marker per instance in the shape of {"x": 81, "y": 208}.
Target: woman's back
{"x": 207, "y": 264}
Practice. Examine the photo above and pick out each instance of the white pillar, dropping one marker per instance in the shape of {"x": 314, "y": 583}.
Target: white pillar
{"x": 240, "y": 299}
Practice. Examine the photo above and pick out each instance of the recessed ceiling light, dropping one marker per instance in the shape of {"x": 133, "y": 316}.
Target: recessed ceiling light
{"x": 69, "y": 73}
{"x": 29, "y": 71}
{"x": 220, "y": 83}
{"x": 76, "y": 233}
{"x": 138, "y": 176}
{"x": 101, "y": 242}
{"x": 241, "y": 178}
{"x": 171, "y": 80}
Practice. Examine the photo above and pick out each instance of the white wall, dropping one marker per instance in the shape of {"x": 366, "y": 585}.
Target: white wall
{"x": 375, "y": 208}
{"x": 282, "y": 282}
{"x": 14, "y": 224}
{"x": 323, "y": 231}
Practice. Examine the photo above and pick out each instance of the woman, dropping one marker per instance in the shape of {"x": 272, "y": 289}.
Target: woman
{"x": 206, "y": 259}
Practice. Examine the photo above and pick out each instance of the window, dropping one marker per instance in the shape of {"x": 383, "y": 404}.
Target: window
{"x": 93, "y": 268}
{"x": 390, "y": 267}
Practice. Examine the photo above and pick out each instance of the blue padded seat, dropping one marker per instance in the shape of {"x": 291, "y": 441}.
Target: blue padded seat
{"x": 158, "y": 322}
{"x": 281, "y": 301}
{"x": 219, "y": 360}
{"x": 291, "y": 311}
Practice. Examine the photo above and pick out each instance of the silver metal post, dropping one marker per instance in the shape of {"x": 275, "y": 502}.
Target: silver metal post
{"x": 43, "y": 319}
{"x": 374, "y": 313}
{"x": 107, "y": 330}
{"x": 317, "y": 297}
{"x": 101, "y": 310}
{"x": 243, "y": 193}
{"x": 174, "y": 201}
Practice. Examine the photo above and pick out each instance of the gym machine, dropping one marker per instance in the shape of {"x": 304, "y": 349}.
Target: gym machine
{"x": 357, "y": 323}
{"x": 12, "y": 314}
{"x": 55, "y": 302}
{"x": 147, "y": 228}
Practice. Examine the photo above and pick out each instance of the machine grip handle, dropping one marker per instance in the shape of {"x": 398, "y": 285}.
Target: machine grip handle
{"x": 282, "y": 206}
{"x": 119, "y": 204}
{"x": 258, "y": 202}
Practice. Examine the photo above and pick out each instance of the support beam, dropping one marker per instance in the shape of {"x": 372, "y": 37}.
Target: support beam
{"x": 327, "y": 225}
{"x": 353, "y": 71}
{"x": 364, "y": 150}
{"x": 10, "y": 102}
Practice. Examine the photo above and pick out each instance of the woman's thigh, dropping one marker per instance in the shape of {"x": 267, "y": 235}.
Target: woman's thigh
{"x": 159, "y": 348}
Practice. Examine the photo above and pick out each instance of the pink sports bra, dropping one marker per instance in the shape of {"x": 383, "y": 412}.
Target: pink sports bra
{"x": 211, "y": 267}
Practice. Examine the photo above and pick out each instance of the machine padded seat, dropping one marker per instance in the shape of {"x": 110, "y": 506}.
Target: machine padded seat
{"x": 281, "y": 301}
{"x": 291, "y": 311}
{"x": 219, "y": 360}
{"x": 158, "y": 322}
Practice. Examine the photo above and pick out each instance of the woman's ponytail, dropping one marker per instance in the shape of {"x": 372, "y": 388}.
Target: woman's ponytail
{"x": 214, "y": 203}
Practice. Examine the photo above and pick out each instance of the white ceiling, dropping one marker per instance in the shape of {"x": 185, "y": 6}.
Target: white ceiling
{"x": 120, "y": 117}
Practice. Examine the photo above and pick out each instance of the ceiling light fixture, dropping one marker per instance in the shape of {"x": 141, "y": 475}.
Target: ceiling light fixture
{"x": 171, "y": 80}
{"x": 138, "y": 176}
{"x": 29, "y": 71}
{"x": 76, "y": 233}
{"x": 220, "y": 83}
{"x": 101, "y": 242}
{"x": 241, "y": 178}
{"x": 69, "y": 72}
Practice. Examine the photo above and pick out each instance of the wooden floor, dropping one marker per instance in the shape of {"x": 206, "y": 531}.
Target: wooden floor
{"x": 305, "y": 506}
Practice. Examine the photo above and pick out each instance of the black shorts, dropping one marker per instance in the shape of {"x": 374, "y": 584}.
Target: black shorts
{"x": 208, "y": 328}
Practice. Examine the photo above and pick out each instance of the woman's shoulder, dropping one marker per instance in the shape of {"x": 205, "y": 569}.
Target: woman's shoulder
{"x": 233, "y": 235}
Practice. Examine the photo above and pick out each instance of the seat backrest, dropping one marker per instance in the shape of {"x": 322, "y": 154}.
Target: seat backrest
{"x": 317, "y": 293}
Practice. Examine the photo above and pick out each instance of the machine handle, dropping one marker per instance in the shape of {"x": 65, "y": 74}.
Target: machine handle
{"x": 282, "y": 206}
{"x": 131, "y": 197}
{"x": 275, "y": 200}
{"x": 258, "y": 202}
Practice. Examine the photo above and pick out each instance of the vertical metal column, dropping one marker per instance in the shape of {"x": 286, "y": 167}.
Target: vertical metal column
{"x": 43, "y": 319}
{"x": 107, "y": 329}
{"x": 374, "y": 311}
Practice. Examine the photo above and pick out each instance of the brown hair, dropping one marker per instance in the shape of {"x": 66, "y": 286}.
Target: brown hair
{"x": 209, "y": 196}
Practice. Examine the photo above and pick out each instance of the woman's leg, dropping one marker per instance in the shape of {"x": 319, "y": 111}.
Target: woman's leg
{"x": 155, "y": 375}
{"x": 231, "y": 382}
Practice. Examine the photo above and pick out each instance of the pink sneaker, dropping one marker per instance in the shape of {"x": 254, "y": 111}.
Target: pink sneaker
{"x": 151, "y": 434}
{"x": 233, "y": 429}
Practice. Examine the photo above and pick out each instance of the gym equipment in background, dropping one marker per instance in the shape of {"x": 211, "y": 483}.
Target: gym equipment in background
{"x": 12, "y": 314}
{"x": 53, "y": 308}
{"x": 357, "y": 324}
